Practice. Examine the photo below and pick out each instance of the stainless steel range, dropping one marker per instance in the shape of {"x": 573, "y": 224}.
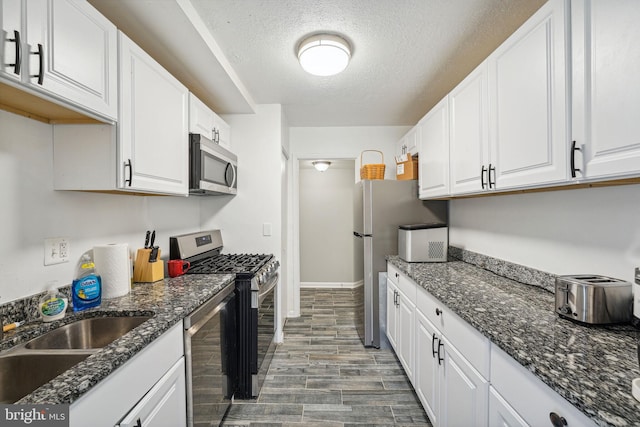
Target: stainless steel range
{"x": 256, "y": 280}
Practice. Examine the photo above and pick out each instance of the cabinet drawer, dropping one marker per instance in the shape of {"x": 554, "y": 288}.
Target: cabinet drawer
{"x": 393, "y": 274}
{"x": 529, "y": 396}
{"x": 407, "y": 287}
{"x": 475, "y": 346}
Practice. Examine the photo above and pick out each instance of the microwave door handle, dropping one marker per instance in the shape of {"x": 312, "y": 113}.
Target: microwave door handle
{"x": 235, "y": 175}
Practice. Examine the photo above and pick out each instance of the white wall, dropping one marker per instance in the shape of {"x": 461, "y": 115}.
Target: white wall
{"x": 30, "y": 211}
{"x": 333, "y": 143}
{"x": 257, "y": 141}
{"x": 326, "y": 226}
{"x": 595, "y": 230}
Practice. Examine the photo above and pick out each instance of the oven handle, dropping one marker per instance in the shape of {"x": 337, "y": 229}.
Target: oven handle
{"x": 200, "y": 323}
{"x": 267, "y": 288}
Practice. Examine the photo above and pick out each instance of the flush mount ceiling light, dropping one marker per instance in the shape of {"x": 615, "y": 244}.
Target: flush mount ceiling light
{"x": 324, "y": 54}
{"x": 321, "y": 165}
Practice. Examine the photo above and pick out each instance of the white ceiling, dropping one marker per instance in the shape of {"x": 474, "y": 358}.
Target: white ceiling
{"x": 407, "y": 54}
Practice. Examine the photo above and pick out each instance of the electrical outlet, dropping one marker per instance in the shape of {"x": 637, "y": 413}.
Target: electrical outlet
{"x": 56, "y": 250}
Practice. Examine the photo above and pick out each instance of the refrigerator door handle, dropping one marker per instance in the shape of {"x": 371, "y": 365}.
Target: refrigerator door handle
{"x": 355, "y": 233}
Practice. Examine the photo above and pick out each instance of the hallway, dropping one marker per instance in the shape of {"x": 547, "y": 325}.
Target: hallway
{"x": 323, "y": 376}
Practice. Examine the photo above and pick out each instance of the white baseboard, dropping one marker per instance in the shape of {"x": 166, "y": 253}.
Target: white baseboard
{"x": 331, "y": 285}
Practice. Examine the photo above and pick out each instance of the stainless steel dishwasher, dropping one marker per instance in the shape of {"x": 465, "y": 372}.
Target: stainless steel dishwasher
{"x": 210, "y": 354}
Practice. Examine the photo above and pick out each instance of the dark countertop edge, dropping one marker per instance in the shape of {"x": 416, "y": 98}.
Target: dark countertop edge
{"x": 72, "y": 384}
{"x": 598, "y": 416}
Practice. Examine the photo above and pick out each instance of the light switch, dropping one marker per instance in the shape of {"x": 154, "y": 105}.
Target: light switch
{"x": 266, "y": 229}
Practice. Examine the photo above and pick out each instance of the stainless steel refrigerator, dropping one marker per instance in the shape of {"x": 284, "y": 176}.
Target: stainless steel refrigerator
{"x": 380, "y": 206}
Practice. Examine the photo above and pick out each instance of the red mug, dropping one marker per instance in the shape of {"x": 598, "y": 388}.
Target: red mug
{"x": 178, "y": 267}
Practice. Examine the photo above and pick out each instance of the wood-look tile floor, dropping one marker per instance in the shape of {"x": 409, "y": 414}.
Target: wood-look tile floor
{"x": 322, "y": 375}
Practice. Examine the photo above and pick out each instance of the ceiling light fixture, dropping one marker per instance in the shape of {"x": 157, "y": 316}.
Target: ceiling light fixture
{"x": 324, "y": 54}
{"x": 321, "y": 165}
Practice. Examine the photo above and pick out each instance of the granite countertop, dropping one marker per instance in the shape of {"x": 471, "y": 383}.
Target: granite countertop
{"x": 168, "y": 301}
{"x": 592, "y": 367}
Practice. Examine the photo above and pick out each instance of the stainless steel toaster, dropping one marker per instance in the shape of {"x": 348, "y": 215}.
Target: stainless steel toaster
{"x": 594, "y": 299}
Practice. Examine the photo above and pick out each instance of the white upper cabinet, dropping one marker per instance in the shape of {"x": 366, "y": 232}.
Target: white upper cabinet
{"x": 147, "y": 152}
{"x": 469, "y": 138}
{"x": 200, "y": 118}
{"x": 528, "y": 101}
{"x": 64, "y": 49}
{"x": 13, "y": 33}
{"x": 153, "y": 125}
{"x": 606, "y": 89}
{"x": 433, "y": 169}
{"x": 409, "y": 143}
{"x": 204, "y": 121}
{"x": 222, "y": 132}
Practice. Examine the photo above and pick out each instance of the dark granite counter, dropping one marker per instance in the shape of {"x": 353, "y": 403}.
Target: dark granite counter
{"x": 168, "y": 301}
{"x": 590, "y": 366}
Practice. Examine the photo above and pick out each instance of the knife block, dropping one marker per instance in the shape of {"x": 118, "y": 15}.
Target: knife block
{"x": 145, "y": 271}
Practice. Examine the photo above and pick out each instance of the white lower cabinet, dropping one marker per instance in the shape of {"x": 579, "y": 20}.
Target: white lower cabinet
{"x": 164, "y": 405}
{"x": 460, "y": 377}
{"x": 427, "y": 378}
{"x": 464, "y": 392}
{"x": 501, "y": 414}
{"x": 150, "y": 387}
{"x": 401, "y": 321}
{"x": 452, "y": 391}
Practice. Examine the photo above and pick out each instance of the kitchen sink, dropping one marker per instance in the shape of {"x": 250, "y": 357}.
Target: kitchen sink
{"x": 95, "y": 332}
{"x": 22, "y": 373}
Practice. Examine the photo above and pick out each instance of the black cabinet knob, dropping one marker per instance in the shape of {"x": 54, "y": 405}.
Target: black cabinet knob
{"x": 438, "y": 312}
{"x": 557, "y": 420}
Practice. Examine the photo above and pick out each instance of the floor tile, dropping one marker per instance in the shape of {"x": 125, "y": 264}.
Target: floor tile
{"x": 322, "y": 376}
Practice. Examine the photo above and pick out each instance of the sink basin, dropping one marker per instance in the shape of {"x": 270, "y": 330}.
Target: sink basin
{"x": 90, "y": 333}
{"x": 20, "y": 374}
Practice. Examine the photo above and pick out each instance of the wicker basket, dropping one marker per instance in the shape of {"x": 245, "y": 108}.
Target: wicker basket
{"x": 373, "y": 170}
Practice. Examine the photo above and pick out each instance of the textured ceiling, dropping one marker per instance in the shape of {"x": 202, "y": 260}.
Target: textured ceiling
{"x": 407, "y": 54}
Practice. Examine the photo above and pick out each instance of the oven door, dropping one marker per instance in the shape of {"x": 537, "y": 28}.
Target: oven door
{"x": 210, "y": 353}
{"x": 212, "y": 170}
{"x": 265, "y": 333}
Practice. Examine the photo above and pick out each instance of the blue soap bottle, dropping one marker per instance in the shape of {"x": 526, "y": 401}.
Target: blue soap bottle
{"x": 86, "y": 288}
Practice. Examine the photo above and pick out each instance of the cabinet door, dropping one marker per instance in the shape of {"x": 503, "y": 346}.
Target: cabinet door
{"x": 200, "y": 118}
{"x": 11, "y": 58}
{"x": 501, "y": 414}
{"x": 409, "y": 143}
{"x": 433, "y": 173}
{"x": 427, "y": 374}
{"x": 72, "y": 52}
{"x": 153, "y": 127}
{"x": 405, "y": 335}
{"x": 223, "y": 132}
{"x": 464, "y": 392}
{"x": 606, "y": 93}
{"x": 164, "y": 405}
{"x": 392, "y": 328}
{"x": 528, "y": 96}
{"x": 469, "y": 139}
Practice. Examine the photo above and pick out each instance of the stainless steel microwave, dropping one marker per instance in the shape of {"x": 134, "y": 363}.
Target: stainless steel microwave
{"x": 213, "y": 170}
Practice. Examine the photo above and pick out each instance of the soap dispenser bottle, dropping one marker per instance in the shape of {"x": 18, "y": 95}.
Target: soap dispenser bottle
{"x": 53, "y": 305}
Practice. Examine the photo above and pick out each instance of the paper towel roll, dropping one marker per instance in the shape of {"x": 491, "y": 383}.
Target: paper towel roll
{"x": 112, "y": 264}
